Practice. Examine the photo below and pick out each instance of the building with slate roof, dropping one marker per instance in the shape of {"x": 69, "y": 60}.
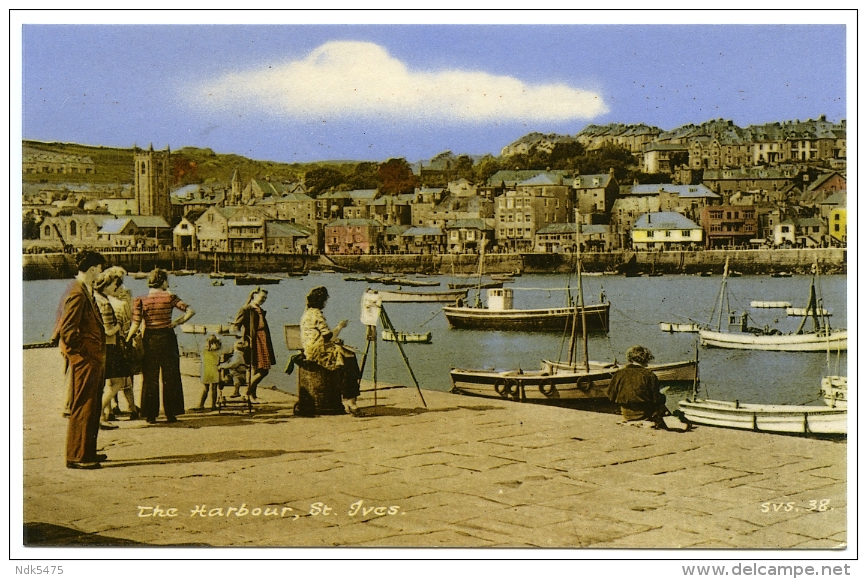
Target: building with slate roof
{"x": 212, "y": 228}
{"x": 36, "y": 161}
{"x": 352, "y": 236}
{"x": 565, "y": 237}
{"x": 837, "y": 220}
{"x": 390, "y": 210}
{"x": 664, "y": 157}
{"x": 77, "y": 230}
{"x": 534, "y": 203}
{"x": 594, "y": 194}
{"x": 468, "y": 235}
{"x": 425, "y": 240}
{"x": 800, "y": 232}
{"x": 729, "y": 225}
{"x": 821, "y": 187}
{"x": 666, "y": 230}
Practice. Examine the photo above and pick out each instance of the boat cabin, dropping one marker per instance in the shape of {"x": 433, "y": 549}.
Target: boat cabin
{"x": 737, "y": 322}
{"x": 500, "y": 299}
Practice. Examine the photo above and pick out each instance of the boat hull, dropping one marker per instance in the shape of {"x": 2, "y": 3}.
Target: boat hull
{"x": 408, "y": 297}
{"x": 684, "y": 371}
{"x": 811, "y": 342}
{"x": 256, "y": 280}
{"x": 678, "y": 327}
{"x": 531, "y": 386}
{"x": 834, "y": 391}
{"x": 550, "y": 320}
{"x": 404, "y": 337}
{"x": 766, "y": 417}
{"x": 556, "y": 382}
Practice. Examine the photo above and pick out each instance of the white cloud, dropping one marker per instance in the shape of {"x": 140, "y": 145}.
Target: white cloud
{"x": 361, "y": 79}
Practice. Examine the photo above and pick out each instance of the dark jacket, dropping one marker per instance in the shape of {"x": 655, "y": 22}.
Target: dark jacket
{"x": 80, "y": 328}
{"x": 635, "y": 386}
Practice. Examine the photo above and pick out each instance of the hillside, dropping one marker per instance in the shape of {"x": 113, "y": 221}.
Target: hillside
{"x": 190, "y": 165}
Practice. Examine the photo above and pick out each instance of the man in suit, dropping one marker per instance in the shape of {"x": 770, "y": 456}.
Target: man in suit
{"x": 82, "y": 341}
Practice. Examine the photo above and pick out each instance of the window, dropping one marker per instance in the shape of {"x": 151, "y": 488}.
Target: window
{"x": 668, "y": 233}
{"x": 836, "y": 217}
{"x": 684, "y": 233}
{"x": 73, "y": 228}
{"x": 48, "y": 231}
{"x": 650, "y": 234}
{"x": 784, "y": 228}
{"x": 836, "y": 227}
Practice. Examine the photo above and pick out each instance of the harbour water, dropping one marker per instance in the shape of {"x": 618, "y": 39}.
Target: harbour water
{"x": 637, "y": 307}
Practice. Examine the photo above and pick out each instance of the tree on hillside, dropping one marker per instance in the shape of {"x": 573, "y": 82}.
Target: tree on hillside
{"x": 321, "y": 179}
{"x": 486, "y": 167}
{"x": 397, "y": 177}
{"x": 365, "y": 176}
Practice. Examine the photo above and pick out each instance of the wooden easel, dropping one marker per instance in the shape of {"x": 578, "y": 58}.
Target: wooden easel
{"x": 372, "y": 339}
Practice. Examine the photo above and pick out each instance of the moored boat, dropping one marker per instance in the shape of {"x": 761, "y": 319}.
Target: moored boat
{"x": 801, "y": 312}
{"x": 764, "y": 304}
{"x": 224, "y": 329}
{"x": 256, "y": 280}
{"x": 483, "y": 285}
{"x": 776, "y": 418}
{"x": 679, "y": 327}
{"x": 406, "y": 337}
{"x": 834, "y": 391}
{"x": 501, "y": 315}
{"x": 740, "y": 336}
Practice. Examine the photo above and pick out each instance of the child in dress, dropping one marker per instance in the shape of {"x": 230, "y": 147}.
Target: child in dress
{"x": 210, "y": 370}
{"x": 237, "y": 367}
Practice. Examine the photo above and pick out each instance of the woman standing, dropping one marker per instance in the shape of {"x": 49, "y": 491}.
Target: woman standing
{"x": 161, "y": 354}
{"x": 255, "y": 331}
{"x": 322, "y": 346}
{"x": 116, "y": 320}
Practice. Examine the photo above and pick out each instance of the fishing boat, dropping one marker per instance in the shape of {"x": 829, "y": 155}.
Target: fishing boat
{"x": 138, "y": 275}
{"x": 256, "y": 280}
{"x": 500, "y": 314}
{"x": 834, "y": 390}
{"x": 218, "y": 283}
{"x": 406, "y": 337}
{"x": 224, "y": 329}
{"x": 415, "y": 282}
{"x": 483, "y": 285}
{"x": 764, "y": 304}
{"x": 679, "y": 327}
{"x": 422, "y": 296}
{"x": 741, "y": 336}
{"x": 782, "y": 274}
{"x": 777, "y": 418}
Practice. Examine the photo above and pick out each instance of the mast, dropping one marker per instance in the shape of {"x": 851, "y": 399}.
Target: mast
{"x": 573, "y": 337}
{"x": 721, "y": 299}
{"x": 812, "y": 306}
{"x": 481, "y": 268}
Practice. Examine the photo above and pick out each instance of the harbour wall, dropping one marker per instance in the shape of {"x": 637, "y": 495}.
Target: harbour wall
{"x": 752, "y": 261}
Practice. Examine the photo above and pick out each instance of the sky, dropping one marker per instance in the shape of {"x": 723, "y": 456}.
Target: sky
{"x": 371, "y": 92}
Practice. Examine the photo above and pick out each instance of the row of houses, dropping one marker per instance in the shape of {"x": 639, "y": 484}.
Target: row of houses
{"x": 514, "y": 211}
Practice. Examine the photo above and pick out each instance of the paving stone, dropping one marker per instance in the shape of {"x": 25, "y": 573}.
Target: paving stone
{"x": 465, "y": 472}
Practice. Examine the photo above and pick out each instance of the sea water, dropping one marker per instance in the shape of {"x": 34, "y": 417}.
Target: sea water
{"x": 637, "y": 307}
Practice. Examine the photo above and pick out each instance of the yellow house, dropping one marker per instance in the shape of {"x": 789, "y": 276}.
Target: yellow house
{"x": 837, "y": 224}
{"x": 665, "y": 230}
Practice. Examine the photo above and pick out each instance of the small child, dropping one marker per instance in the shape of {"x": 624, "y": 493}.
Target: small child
{"x": 236, "y": 367}
{"x": 210, "y": 371}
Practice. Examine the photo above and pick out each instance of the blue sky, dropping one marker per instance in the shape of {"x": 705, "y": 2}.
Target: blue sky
{"x": 315, "y": 92}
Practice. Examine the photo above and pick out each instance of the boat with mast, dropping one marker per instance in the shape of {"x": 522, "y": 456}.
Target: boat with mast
{"x": 741, "y": 336}
{"x": 500, "y": 314}
{"x": 557, "y": 382}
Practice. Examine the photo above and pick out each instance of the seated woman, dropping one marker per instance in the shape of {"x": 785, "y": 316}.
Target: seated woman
{"x": 322, "y": 346}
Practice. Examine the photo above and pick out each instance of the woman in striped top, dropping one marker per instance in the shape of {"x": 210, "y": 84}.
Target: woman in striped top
{"x": 154, "y": 310}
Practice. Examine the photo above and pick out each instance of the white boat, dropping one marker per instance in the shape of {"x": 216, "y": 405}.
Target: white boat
{"x": 778, "y": 418}
{"x": 834, "y": 391}
{"x": 224, "y": 329}
{"x": 807, "y": 342}
{"x": 422, "y": 296}
{"x": 801, "y": 312}
{"x": 679, "y": 327}
{"x": 763, "y": 304}
{"x": 406, "y": 337}
{"x": 740, "y": 336}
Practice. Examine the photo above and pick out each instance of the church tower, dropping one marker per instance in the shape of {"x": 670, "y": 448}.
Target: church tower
{"x": 152, "y": 174}
{"x": 236, "y": 188}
